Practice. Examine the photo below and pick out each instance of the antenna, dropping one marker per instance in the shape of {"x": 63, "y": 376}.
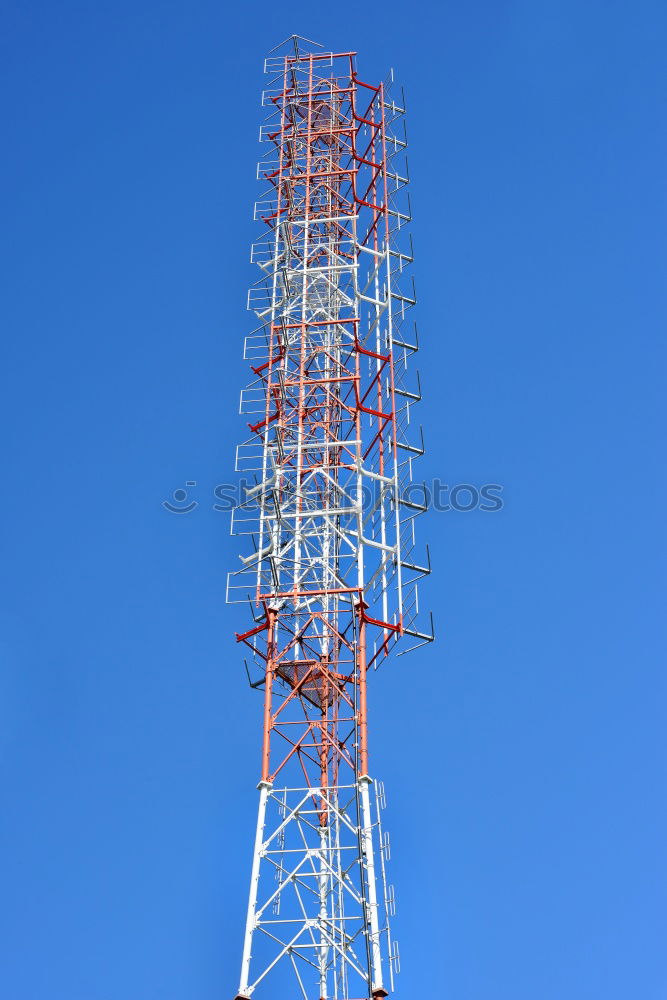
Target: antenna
{"x": 332, "y": 567}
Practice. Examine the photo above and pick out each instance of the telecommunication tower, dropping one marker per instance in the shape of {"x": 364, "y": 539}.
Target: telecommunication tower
{"x": 332, "y": 574}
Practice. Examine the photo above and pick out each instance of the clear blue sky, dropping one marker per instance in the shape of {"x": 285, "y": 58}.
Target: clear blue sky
{"x": 524, "y": 752}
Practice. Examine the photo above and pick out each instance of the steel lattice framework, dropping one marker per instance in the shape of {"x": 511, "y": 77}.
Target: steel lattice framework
{"x": 332, "y": 578}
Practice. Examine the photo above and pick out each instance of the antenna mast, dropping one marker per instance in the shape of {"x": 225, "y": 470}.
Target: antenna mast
{"x": 332, "y": 576}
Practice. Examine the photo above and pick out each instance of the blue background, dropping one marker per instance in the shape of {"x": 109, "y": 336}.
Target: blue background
{"x": 523, "y": 752}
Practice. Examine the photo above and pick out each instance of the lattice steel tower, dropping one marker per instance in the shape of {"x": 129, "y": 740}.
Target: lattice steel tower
{"x": 332, "y": 578}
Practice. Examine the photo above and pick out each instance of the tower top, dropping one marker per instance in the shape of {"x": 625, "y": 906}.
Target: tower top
{"x": 292, "y": 42}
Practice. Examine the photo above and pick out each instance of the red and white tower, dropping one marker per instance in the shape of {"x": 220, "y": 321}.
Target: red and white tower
{"x": 330, "y": 574}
